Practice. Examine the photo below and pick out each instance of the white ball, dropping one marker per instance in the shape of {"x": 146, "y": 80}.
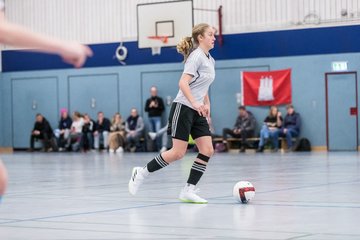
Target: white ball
{"x": 243, "y": 191}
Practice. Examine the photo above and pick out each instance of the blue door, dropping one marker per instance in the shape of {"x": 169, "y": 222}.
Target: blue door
{"x": 29, "y": 97}
{"x": 93, "y": 93}
{"x": 342, "y": 111}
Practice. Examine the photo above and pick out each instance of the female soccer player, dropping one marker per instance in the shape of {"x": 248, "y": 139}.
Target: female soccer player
{"x": 15, "y": 35}
{"x": 188, "y": 114}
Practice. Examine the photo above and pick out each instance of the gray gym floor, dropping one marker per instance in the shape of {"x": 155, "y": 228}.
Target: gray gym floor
{"x": 84, "y": 196}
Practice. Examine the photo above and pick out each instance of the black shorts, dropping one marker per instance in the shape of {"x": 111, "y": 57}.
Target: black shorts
{"x": 184, "y": 121}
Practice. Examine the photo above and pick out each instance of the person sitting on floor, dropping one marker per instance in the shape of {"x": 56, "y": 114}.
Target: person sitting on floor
{"x": 244, "y": 128}
{"x": 87, "y": 141}
{"x": 271, "y": 129}
{"x": 291, "y": 126}
{"x": 117, "y": 134}
{"x": 43, "y": 131}
{"x": 101, "y": 132}
{"x": 63, "y": 132}
{"x": 134, "y": 127}
{"x": 74, "y": 140}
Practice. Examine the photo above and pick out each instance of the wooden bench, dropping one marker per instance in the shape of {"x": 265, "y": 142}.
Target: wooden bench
{"x": 233, "y": 143}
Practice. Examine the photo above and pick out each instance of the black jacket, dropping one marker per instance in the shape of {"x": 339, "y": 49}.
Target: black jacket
{"x": 44, "y": 128}
{"x": 154, "y": 111}
{"x": 104, "y": 126}
{"x": 247, "y": 124}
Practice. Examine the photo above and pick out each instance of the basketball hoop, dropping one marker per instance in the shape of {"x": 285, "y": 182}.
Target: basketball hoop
{"x": 159, "y": 41}
{"x": 163, "y": 39}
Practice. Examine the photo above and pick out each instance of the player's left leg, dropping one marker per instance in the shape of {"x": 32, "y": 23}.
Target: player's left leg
{"x": 206, "y": 150}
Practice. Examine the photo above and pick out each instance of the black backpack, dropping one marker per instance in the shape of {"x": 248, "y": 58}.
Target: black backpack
{"x": 303, "y": 145}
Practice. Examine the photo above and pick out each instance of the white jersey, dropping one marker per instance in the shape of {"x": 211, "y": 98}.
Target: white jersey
{"x": 2, "y": 5}
{"x": 202, "y": 68}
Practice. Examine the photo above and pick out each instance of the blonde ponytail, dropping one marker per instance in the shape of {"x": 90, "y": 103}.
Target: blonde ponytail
{"x": 185, "y": 46}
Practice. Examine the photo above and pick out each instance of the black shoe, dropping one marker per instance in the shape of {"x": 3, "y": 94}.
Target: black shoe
{"x": 242, "y": 150}
{"x": 260, "y": 150}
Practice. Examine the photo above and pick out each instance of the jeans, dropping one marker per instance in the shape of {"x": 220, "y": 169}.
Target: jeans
{"x": 244, "y": 134}
{"x": 87, "y": 141}
{"x": 290, "y": 133}
{"x": 48, "y": 142}
{"x": 266, "y": 133}
{"x": 133, "y": 141}
{"x": 155, "y": 126}
{"x": 101, "y": 136}
{"x": 164, "y": 136}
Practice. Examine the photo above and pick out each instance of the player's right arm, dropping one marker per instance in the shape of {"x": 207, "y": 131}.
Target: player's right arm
{"x": 15, "y": 35}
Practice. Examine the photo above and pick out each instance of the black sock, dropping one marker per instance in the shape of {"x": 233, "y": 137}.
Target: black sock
{"x": 196, "y": 172}
{"x": 156, "y": 164}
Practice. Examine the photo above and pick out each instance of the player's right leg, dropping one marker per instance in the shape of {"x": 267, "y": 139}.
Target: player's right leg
{"x": 162, "y": 160}
{"x": 3, "y": 180}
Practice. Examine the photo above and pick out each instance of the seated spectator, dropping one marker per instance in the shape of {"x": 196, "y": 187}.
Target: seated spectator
{"x": 271, "y": 129}
{"x": 63, "y": 132}
{"x": 87, "y": 142}
{"x": 244, "y": 128}
{"x": 134, "y": 127}
{"x": 43, "y": 131}
{"x": 101, "y": 132}
{"x": 161, "y": 134}
{"x": 117, "y": 134}
{"x": 75, "y": 137}
{"x": 291, "y": 126}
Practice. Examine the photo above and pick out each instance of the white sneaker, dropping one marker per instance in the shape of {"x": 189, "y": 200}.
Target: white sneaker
{"x": 189, "y": 195}
{"x": 120, "y": 150}
{"x": 111, "y": 150}
{"x": 152, "y": 135}
{"x": 163, "y": 149}
{"x": 136, "y": 180}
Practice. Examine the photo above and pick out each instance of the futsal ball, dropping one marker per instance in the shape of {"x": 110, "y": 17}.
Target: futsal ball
{"x": 243, "y": 191}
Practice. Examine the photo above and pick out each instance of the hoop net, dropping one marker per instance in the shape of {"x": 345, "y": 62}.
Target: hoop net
{"x": 159, "y": 41}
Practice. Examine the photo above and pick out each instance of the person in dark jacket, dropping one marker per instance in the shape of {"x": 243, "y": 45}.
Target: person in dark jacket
{"x": 154, "y": 106}
{"x": 291, "y": 125}
{"x": 244, "y": 128}
{"x": 63, "y": 131}
{"x": 42, "y": 131}
{"x": 102, "y": 129}
{"x": 87, "y": 142}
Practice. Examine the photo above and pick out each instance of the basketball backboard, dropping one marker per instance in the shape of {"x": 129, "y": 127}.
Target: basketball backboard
{"x": 173, "y": 20}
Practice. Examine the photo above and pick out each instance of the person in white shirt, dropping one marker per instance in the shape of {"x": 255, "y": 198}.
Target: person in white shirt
{"x": 75, "y": 132}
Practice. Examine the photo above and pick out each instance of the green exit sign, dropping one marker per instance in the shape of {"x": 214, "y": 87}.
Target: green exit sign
{"x": 339, "y": 66}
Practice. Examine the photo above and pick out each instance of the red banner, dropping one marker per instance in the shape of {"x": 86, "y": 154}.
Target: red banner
{"x": 266, "y": 88}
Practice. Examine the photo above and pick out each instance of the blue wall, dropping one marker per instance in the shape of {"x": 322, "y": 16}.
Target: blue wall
{"x": 128, "y": 85}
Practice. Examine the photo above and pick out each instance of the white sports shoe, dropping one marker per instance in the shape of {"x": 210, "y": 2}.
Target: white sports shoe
{"x": 152, "y": 135}
{"x": 111, "y": 150}
{"x": 120, "y": 150}
{"x": 189, "y": 195}
{"x": 136, "y": 180}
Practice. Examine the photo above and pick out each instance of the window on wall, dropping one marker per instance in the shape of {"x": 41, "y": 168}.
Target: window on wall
{"x": 260, "y": 15}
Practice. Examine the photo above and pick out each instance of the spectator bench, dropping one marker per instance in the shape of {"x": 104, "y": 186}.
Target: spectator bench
{"x": 233, "y": 143}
